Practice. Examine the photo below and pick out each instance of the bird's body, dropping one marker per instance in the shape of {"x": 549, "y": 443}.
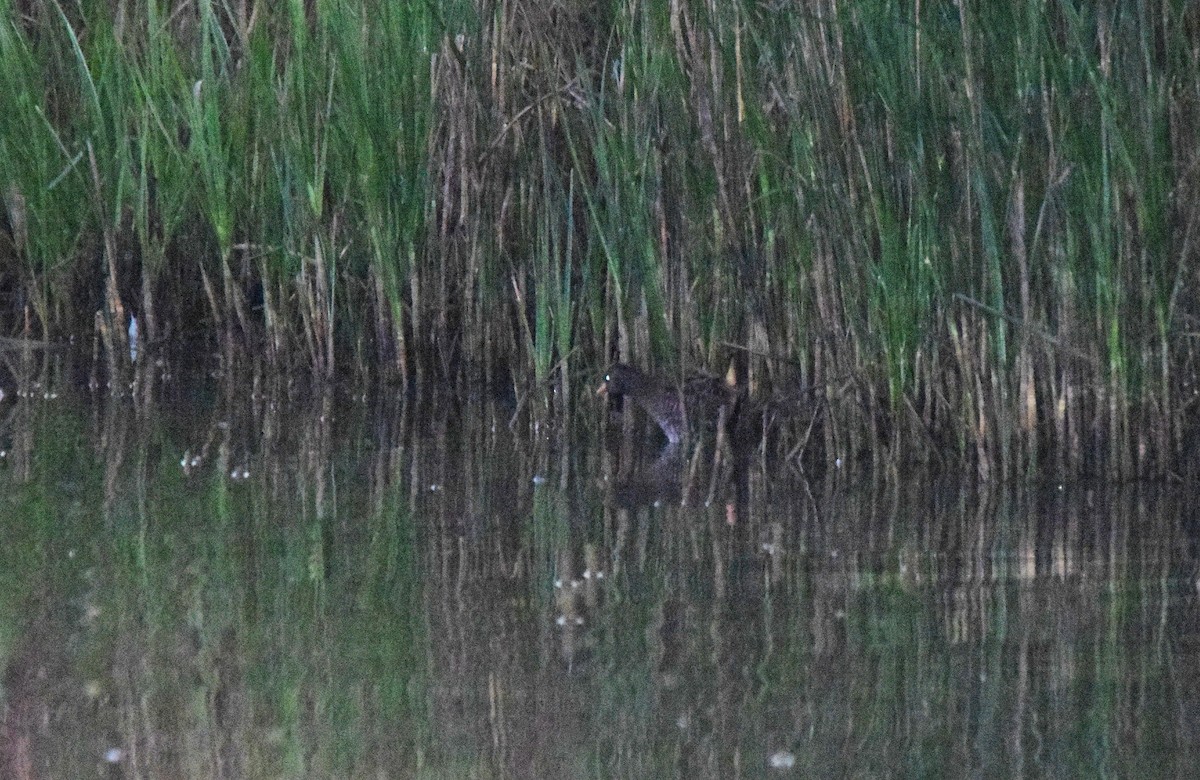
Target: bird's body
{"x": 701, "y": 401}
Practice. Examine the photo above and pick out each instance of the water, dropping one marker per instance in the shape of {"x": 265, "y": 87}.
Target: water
{"x": 254, "y": 583}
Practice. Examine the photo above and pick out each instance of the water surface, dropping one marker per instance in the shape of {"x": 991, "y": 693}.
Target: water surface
{"x": 264, "y": 583}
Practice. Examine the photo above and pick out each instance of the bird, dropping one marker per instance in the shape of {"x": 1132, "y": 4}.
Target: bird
{"x": 702, "y": 401}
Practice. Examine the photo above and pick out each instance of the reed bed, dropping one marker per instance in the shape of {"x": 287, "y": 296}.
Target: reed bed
{"x": 969, "y": 230}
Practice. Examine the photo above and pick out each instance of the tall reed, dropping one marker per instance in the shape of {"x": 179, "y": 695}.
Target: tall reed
{"x": 961, "y": 231}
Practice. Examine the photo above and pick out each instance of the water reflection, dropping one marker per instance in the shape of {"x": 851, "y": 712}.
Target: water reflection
{"x": 256, "y": 581}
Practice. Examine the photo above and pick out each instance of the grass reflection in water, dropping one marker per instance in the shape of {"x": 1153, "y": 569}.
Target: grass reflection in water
{"x": 331, "y": 587}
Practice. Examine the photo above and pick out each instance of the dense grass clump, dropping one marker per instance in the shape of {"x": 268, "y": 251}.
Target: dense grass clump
{"x": 969, "y": 229}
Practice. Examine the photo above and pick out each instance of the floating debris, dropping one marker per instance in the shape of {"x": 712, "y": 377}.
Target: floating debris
{"x": 189, "y": 462}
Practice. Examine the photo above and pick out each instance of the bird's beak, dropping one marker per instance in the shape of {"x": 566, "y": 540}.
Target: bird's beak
{"x": 602, "y": 390}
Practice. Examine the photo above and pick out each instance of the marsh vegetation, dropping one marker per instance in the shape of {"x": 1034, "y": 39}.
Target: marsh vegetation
{"x": 969, "y": 229}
